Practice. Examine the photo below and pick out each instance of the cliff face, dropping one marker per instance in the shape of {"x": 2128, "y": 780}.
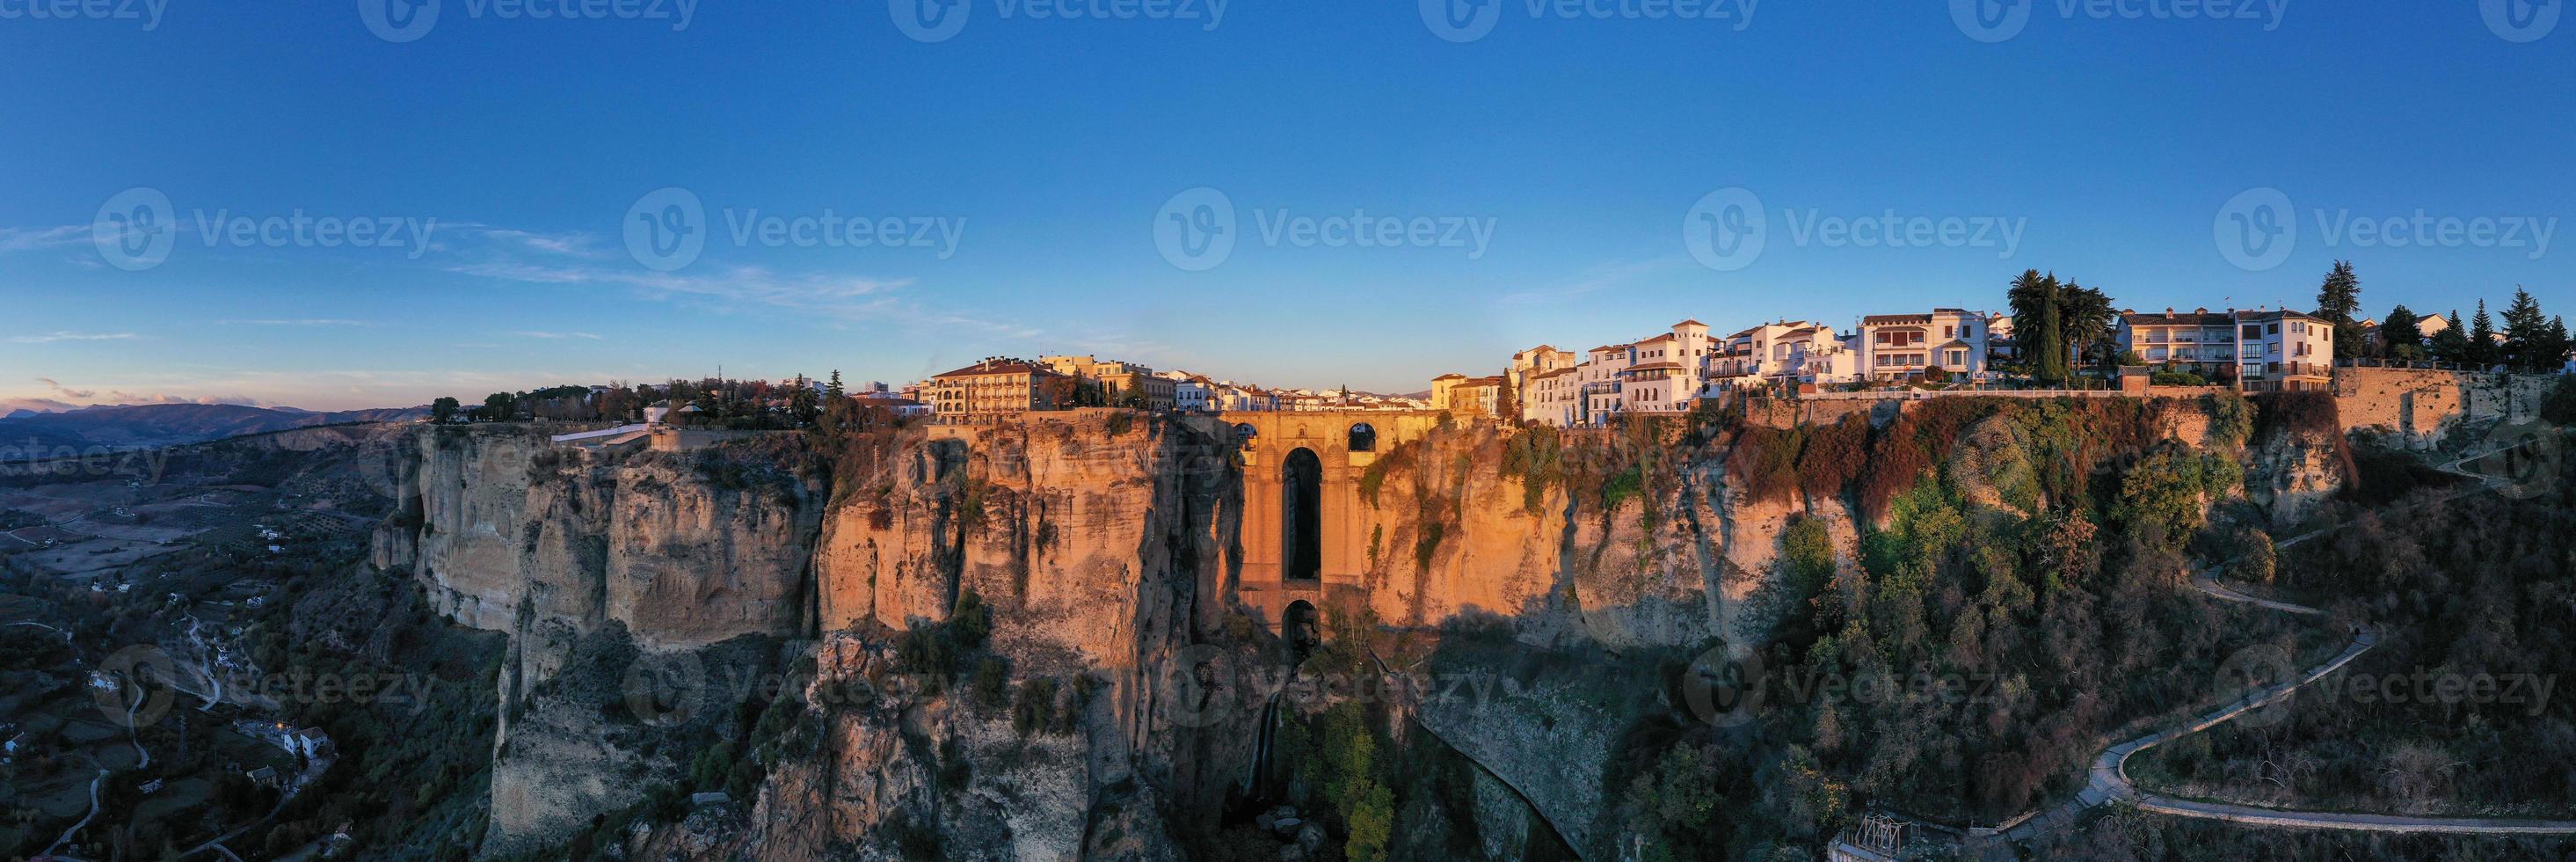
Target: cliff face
{"x": 511, "y": 533}
{"x": 1098, "y": 541}
{"x": 1106, "y": 547}
{"x": 559, "y": 546}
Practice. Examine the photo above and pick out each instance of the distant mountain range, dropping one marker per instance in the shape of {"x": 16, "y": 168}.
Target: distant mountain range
{"x": 150, "y": 425}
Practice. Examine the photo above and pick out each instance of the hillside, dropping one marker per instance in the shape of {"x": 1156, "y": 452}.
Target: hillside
{"x": 148, "y": 425}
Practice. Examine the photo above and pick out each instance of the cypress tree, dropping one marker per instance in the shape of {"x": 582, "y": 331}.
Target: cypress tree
{"x": 2337, "y": 301}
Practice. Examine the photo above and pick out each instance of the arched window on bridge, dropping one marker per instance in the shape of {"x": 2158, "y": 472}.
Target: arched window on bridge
{"x": 1363, "y": 438}
{"x": 1301, "y": 515}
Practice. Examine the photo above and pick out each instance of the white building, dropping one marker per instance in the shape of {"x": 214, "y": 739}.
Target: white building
{"x": 2283, "y": 351}
{"x": 1908, "y": 346}
{"x": 2261, "y": 350}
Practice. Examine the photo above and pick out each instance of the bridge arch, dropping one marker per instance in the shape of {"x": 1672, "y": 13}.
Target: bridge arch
{"x": 1301, "y": 515}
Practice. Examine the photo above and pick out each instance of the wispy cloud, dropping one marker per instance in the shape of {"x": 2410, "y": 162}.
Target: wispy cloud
{"x": 587, "y": 335}
{"x": 574, "y": 243}
{"x": 577, "y": 259}
{"x": 14, "y": 239}
{"x": 304, "y": 322}
{"x": 1599, "y": 278}
{"x": 50, "y": 337}
{"x": 64, "y": 391}
{"x": 65, "y": 397}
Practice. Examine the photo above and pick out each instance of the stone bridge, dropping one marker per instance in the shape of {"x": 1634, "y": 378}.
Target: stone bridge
{"x": 1304, "y": 534}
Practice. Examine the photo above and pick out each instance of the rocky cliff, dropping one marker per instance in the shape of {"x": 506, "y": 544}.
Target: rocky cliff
{"x": 1001, "y": 636}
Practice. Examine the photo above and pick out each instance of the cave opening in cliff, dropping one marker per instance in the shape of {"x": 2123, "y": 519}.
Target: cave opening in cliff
{"x": 1301, "y": 515}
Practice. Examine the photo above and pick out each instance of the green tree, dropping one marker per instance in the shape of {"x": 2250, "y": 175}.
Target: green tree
{"x": 2526, "y": 332}
{"x": 833, "y": 388}
{"x": 2042, "y": 331}
{"x": 2452, "y": 343}
{"x": 2559, "y": 345}
{"x": 2086, "y": 316}
{"x": 2482, "y": 344}
{"x": 2401, "y": 336}
{"x": 443, "y": 409}
{"x": 500, "y": 407}
{"x": 2337, "y": 301}
{"x": 804, "y": 404}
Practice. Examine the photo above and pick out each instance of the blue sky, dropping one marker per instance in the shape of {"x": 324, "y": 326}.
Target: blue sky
{"x": 1038, "y": 157}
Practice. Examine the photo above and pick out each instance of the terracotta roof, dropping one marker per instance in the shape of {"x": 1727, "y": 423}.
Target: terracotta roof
{"x": 1887, "y": 319}
{"x": 995, "y": 366}
{"x": 1451, "y": 376}
{"x": 1664, "y": 337}
{"x": 1653, "y": 366}
{"x": 1692, "y": 322}
{"x": 2284, "y": 314}
{"x": 2183, "y": 318}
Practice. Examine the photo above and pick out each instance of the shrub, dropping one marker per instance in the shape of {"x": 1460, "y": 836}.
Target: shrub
{"x": 992, "y": 682}
{"x": 1035, "y": 710}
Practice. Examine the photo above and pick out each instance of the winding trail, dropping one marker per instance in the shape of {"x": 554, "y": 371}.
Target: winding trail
{"x": 2109, "y": 777}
